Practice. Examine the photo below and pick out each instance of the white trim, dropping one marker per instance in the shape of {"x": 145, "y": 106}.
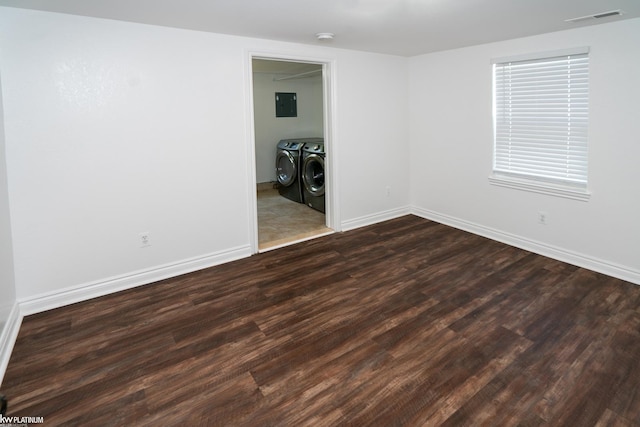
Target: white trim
{"x": 363, "y": 221}
{"x": 331, "y": 149}
{"x": 329, "y": 103}
{"x": 8, "y": 337}
{"x": 111, "y": 285}
{"x": 581, "y": 50}
{"x": 540, "y": 187}
{"x": 252, "y": 197}
{"x": 560, "y": 254}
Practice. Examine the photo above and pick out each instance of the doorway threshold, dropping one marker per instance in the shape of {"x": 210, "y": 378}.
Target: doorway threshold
{"x": 303, "y": 237}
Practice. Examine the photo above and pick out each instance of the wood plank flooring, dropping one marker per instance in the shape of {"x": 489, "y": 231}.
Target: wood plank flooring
{"x": 403, "y": 323}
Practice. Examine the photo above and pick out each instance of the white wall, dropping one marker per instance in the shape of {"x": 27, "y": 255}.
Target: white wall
{"x": 269, "y": 129}
{"x": 115, "y": 128}
{"x": 7, "y": 286}
{"x": 374, "y": 140}
{"x": 451, "y": 151}
{"x": 8, "y": 307}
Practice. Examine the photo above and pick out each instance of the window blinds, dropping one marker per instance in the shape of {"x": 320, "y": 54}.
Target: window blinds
{"x": 541, "y": 118}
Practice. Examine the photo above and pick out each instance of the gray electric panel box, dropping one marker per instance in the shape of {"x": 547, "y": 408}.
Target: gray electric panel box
{"x": 286, "y": 104}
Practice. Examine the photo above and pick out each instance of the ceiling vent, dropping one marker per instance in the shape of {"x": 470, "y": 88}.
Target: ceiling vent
{"x": 617, "y": 12}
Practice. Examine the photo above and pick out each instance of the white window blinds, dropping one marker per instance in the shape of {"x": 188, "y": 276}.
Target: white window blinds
{"x": 541, "y": 118}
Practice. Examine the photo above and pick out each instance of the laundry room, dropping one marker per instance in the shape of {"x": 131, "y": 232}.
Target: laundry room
{"x": 288, "y": 100}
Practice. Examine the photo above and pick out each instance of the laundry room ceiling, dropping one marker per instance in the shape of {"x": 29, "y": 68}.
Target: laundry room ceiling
{"x": 398, "y": 27}
{"x": 283, "y": 67}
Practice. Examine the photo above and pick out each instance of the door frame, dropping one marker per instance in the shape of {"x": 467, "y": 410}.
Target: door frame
{"x": 332, "y": 214}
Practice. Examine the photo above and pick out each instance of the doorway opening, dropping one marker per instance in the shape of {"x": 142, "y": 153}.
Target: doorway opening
{"x": 291, "y": 134}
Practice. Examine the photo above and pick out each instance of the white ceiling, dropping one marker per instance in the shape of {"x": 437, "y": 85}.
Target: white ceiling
{"x": 399, "y": 27}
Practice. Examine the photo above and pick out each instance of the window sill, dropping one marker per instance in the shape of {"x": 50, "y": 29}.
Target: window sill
{"x": 541, "y": 187}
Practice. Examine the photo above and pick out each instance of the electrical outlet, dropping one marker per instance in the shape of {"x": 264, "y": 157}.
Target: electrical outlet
{"x": 388, "y": 189}
{"x": 144, "y": 239}
{"x": 542, "y": 218}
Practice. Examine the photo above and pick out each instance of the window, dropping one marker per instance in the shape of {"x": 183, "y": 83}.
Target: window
{"x": 540, "y": 123}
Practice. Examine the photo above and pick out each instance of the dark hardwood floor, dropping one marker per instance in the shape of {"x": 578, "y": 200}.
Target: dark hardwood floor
{"x": 403, "y": 323}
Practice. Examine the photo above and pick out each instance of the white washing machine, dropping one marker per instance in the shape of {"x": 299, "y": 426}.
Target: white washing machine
{"x": 313, "y": 175}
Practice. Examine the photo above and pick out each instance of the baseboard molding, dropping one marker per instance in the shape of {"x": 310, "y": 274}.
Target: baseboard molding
{"x": 374, "y": 218}
{"x": 8, "y": 337}
{"x": 41, "y": 303}
{"x": 107, "y": 286}
{"x": 560, "y": 254}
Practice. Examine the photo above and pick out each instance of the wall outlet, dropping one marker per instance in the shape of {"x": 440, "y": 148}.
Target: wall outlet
{"x": 388, "y": 191}
{"x": 144, "y": 239}
{"x": 543, "y": 218}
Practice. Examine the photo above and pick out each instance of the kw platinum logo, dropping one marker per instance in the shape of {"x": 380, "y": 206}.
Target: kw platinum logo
{"x": 15, "y": 421}
{"x": 20, "y": 421}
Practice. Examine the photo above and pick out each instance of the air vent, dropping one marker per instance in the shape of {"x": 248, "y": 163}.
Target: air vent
{"x": 605, "y": 14}
{"x": 596, "y": 16}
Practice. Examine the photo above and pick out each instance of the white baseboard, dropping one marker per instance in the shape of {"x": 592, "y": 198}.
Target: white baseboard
{"x": 107, "y": 286}
{"x": 374, "y": 218}
{"x": 560, "y": 254}
{"x": 41, "y": 303}
{"x": 8, "y": 337}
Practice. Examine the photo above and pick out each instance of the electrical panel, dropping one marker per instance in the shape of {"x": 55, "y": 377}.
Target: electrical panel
{"x": 286, "y": 104}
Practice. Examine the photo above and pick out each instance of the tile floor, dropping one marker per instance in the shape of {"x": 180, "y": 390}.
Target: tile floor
{"x": 282, "y": 221}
